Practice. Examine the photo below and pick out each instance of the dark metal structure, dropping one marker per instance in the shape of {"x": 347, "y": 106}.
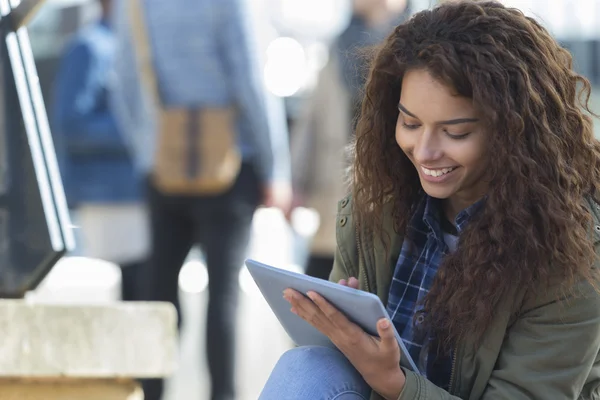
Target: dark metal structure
{"x": 34, "y": 223}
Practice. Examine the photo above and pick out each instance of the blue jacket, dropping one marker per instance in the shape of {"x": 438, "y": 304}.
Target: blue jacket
{"x": 205, "y": 54}
{"x": 95, "y": 162}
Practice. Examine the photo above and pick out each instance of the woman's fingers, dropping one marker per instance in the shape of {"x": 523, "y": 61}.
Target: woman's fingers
{"x": 333, "y": 314}
{"x": 351, "y": 282}
{"x": 307, "y": 310}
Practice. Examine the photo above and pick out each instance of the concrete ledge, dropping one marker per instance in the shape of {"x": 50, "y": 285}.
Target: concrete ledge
{"x": 118, "y": 340}
{"x": 69, "y": 390}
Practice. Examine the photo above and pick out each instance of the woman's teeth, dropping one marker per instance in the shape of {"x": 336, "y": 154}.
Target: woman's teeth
{"x": 437, "y": 172}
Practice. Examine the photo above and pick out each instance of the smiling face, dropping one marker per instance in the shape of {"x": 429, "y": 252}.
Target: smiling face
{"x": 443, "y": 137}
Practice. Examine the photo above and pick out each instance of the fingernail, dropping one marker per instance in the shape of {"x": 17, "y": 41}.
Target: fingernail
{"x": 310, "y": 295}
{"x": 385, "y": 324}
{"x": 293, "y": 310}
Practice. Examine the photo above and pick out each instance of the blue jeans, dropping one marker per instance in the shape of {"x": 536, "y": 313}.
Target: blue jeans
{"x": 315, "y": 373}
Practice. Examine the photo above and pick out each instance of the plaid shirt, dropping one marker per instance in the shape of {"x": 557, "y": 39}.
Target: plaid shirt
{"x": 421, "y": 255}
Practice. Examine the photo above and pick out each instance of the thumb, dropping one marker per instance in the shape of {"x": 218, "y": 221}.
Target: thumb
{"x": 387, "y": 335}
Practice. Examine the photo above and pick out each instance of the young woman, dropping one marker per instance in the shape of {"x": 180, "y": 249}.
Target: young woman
{"x": 472, "y": 217}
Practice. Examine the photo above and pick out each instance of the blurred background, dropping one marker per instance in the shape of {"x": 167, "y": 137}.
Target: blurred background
{"x": 305, "y": 29}
{"x": 309, "y": 62}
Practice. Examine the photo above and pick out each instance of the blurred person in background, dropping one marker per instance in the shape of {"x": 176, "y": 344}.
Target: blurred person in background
{"x": 326, "y": 125}
{"x": 102, "y": 187}
{"x": 371, "y": 22}
{"x": 213, "y": 144}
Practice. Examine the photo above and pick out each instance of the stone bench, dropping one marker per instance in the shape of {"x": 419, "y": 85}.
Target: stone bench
{"x": 91, "y": 352}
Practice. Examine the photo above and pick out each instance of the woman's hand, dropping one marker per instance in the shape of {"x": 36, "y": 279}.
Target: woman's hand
{"x": 377, "y": 359}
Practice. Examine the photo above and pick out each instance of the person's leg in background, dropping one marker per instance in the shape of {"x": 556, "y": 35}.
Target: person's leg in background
{"x": 319, "y": 266}
{"x": 134, "y": 229}
{"x": 131, "y": 275}
{"x": 172, "y": 235}
{"x": 225, "y": 237}
{"x": 315, "y": 373}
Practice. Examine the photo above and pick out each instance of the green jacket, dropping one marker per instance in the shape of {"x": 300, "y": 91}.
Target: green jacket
{"x": 544, "y": 347}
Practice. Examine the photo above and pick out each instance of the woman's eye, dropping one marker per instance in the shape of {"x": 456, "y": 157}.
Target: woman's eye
{"x": 410, "y": 126}
{"x": 456, "y": 136}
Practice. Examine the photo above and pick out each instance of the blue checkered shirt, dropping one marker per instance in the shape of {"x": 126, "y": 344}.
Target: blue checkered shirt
{"x": 421, "y": 255}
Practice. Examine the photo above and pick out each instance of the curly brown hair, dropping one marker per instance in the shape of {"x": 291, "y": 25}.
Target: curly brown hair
{"x": 535, "y": 225}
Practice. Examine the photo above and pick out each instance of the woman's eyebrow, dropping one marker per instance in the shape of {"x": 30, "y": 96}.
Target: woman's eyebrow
{"x": 405, "y": 111}
{"x": 447, "y": 122}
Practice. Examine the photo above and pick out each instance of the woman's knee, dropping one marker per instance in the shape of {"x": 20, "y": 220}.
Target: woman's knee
{"x": 317, "y": 373}
{"x": 317, "y": 355}
{"x": 316, "y": 361}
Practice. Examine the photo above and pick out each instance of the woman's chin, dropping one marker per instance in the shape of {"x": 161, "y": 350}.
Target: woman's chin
{"x": 437, "y": 191}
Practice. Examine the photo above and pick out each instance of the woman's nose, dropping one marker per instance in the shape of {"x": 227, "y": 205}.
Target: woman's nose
{"x": 427, "y": 148}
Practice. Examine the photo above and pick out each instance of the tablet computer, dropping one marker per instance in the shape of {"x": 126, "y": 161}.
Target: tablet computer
{"x": 362, "y": 308}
